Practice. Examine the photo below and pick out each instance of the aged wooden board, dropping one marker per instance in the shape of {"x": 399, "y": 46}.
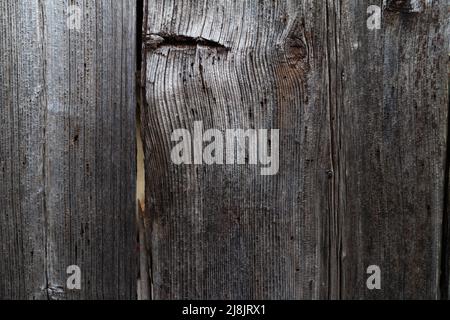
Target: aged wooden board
{"x": 226, "y": 231}
{"x": 362, "y": 116}
{"x": 391, "y": 105}
{"x": 67, "y": 149}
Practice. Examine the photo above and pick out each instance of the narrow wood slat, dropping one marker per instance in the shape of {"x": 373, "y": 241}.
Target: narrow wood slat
{"x": 67, "y": 149}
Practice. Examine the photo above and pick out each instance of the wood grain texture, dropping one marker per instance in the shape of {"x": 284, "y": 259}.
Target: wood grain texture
{"x": 391, "y": 107}
{"x": 363, "y": 120}
{"x": 67, "y": 149}
{"x": 225, "y": 232}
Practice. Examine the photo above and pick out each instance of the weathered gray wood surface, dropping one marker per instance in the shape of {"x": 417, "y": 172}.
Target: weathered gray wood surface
{"x": 363, "y": 120}
{"x": 67, "y": 149}
{"x": 391, "y": 108}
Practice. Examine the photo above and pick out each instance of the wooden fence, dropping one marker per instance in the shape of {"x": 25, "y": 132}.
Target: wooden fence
{"x": 358, "y": 90}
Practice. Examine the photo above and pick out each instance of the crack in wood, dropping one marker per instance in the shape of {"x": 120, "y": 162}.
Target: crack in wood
{"x": 157, "y": 40}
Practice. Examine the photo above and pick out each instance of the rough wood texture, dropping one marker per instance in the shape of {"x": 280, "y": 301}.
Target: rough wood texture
{"x": 363, "y": 120}
{"x": 67, "y": 149}
{"x": 391, "y": 107}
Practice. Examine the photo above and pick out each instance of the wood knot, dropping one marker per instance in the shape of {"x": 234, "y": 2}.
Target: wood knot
{"x": 295, "y": 47}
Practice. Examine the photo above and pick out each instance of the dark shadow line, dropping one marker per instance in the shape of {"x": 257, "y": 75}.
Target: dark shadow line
{"x": 444, "y": 266}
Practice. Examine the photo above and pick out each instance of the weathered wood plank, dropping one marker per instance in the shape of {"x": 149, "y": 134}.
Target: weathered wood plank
{"x": 391, "y": 108}
{"x": 226, "y": 231}
{"x": 22, "y": 205}
{"x": 363, "y": 121}
{"x": 67, "y": 149}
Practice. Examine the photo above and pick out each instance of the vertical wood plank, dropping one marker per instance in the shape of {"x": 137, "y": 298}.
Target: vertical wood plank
{"x": 22, "y": 103}
{"x": 391, "y": 140}
{"x": 226, "y": 232}
{"x": 68, "y": 149}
